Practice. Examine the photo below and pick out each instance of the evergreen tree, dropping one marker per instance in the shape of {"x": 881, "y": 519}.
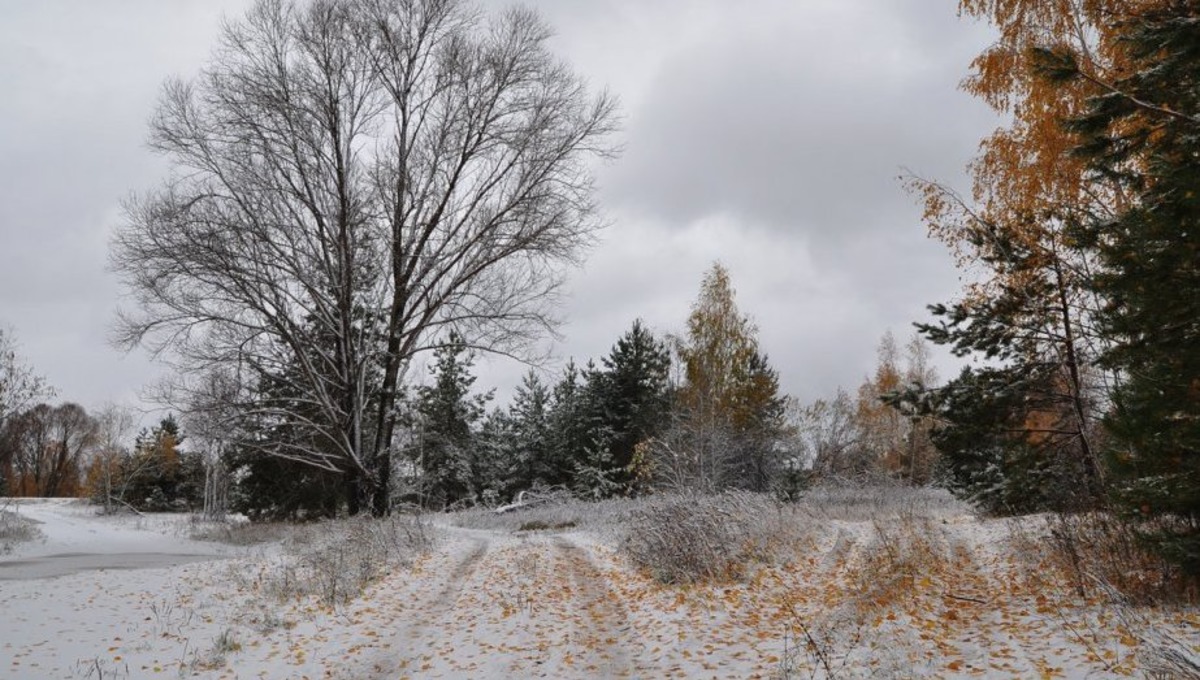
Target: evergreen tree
{"x": 1143, "y": 132}
{"x": 634, "y": 391}
{"x": 451, "y": 467}
{"x": 161, "y": 476}
{"x": 270, "y": 488}
{"x": 1023, "y": 324}
{"x": 577, "y": 436}
{"x": 530, "y": 462}
{"x": 593, "y": 471}
{"x": 495, "y": 444}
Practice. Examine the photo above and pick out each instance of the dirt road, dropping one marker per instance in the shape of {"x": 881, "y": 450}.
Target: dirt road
{"x": 525, "y": 605}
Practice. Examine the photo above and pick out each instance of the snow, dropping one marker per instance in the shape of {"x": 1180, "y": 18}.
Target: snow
{"x": 132, "y": 598}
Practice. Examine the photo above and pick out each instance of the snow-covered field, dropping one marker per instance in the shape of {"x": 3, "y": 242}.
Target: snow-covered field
{"x": 934, "y": 593}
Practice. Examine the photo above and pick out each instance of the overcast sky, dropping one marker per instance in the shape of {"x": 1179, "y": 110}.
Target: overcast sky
{"x": 766, "y": 134}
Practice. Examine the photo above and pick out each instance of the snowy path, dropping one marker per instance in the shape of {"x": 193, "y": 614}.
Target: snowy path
{"x": 529, "y": 605}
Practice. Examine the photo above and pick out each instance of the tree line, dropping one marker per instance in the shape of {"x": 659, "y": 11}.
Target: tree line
{"x": 698, "y": 411}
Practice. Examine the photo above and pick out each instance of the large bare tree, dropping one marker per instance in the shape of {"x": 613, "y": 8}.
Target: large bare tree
{"x": 352, "y": 179}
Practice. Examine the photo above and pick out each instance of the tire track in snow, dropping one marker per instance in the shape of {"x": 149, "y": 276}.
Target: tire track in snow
{"x": 427, "y": 620}
{"x": 447, "y": 598}
{"x": 604, "y": 631}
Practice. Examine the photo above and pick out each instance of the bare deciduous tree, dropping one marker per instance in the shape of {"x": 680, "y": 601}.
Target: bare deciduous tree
{"x": 20, "y": 387}
{"x": 353, "y": 178}
{"x": 108, "y": 473}
{"x": 830, "y": 436}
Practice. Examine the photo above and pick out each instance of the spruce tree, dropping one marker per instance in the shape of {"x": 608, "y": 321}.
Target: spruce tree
{"x": 531, "y": 459}
{"x": 447, "y": 413}
{"x": 577, "y": 433}
{"x": 1144, "y": 134}
{"x": 634, "y": 391}
{"x": 594, "y": 472}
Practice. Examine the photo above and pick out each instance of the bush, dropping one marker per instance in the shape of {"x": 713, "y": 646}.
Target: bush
{"x": 689, "y": 537}
{"x": 1099, "y": 552}
{"x": 15, "y": 529}
{"x": 335, "y": 561}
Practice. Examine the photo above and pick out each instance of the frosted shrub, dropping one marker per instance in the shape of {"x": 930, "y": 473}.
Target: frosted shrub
{"x": 15, "y": 529}
{"x": 690, "y": 537}
{"x": 336, "y": 560}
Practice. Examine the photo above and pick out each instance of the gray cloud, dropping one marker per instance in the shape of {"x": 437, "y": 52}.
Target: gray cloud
{"x": 765, "y": 134}
{"x": 796, "y": 124}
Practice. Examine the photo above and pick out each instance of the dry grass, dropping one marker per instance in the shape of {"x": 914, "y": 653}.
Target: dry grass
{"x": 561, "y": 511}
{"x": 16, "y": 529}
{"x": 1099, "y": 561}
{"x": 682, "y": 538}
{"x": 239, "y": 533}
{"x": 335, "y": 561}
{"x": 867, "y": 503}
{"x": 1096, "y": 555}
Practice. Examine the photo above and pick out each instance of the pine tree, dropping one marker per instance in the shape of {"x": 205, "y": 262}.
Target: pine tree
{"x": 447, "y": 413}
{"x": 530, "y": 462}
{"x": 634, "y": 391}
{"x": 594, "y": 472}
{"x": 1023, "y": 324}
{"x": 1144, "y": 133}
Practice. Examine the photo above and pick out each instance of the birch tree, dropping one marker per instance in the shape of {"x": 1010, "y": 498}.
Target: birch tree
{"x": 729, "y": 410}
{"x": 351, "y": 180}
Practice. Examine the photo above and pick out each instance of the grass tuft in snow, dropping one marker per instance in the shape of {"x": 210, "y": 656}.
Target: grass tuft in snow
{"x": 242, "y": 533}
{"x": 335, "y": 561}
{"x": 15, "y": 529}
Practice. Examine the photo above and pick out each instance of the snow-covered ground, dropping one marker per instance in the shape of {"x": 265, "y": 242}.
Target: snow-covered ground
{"x": 104, "y": 597}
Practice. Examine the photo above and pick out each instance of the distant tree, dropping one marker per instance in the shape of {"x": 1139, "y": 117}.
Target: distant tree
{"x": 594, "y": 472}
{"x": 208, "y": 419}
{"x": 729, "y": 413}
{"x": 831, "y": 439}
{"x": 882, "y": 427}
{"x": 105, "y": 479}
{"x": 633, "y": 391}
{"x": 530, "y": 457}
{"x": 897, "y": 438}
{"x": 919, "y": 458}
{"x": 495, "y": 451}
{"x": 579, "y": 437}
{"x": 370, "y": 171}
{"x": 161, "y": 475}
{"x": 49, "y": 446}
{"x": 445, "y": 419}
{"x": 20, "y": 388}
